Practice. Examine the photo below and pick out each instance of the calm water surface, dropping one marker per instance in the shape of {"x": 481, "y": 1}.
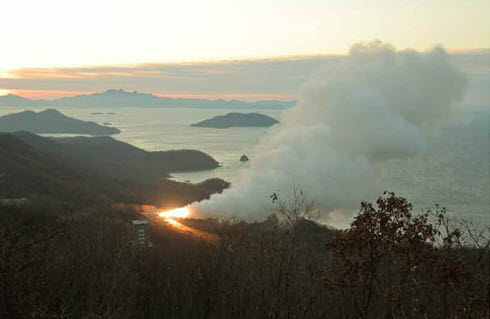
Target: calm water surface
{"x": 454, "y": 171}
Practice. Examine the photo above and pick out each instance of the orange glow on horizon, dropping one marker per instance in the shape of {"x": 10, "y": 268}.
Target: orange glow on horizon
{"x": 44, "y": 94}
{"x": 53, "y": 94}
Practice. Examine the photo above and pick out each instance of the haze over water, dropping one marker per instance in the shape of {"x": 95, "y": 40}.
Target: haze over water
{"x": 453, "y": 171}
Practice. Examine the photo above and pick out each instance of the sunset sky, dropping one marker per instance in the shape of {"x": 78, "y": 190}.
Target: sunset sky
{"x": 54, "y": 47}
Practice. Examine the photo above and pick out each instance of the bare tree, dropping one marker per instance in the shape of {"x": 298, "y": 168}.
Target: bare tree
{"x": 295, "y": 207}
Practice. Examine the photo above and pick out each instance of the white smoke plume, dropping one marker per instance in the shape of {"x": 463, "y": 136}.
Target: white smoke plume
{"x": 376, "y": 104}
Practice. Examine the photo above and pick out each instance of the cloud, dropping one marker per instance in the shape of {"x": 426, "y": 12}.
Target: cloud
{"x": 260, "y": 77}
{"x": 249, "y": 79}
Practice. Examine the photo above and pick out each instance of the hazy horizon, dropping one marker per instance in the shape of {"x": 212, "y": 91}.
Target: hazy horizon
{"x": 246, "y": 50}
{"x": 277, "y": 78}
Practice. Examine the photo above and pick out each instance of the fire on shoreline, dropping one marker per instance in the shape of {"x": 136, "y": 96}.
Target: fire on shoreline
{"x": 169, "y": 217}
{"x": 181, "y": 212}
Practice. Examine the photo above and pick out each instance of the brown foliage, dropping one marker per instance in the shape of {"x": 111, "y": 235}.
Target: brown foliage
{"x": 391, "y": 263}
{"x": 394, "y": 263}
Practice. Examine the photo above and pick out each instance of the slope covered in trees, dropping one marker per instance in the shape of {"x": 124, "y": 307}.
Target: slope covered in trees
{"x": 51, "y": 121}
{"x": 86, "y": 170}
{"x": 390, "y": 263}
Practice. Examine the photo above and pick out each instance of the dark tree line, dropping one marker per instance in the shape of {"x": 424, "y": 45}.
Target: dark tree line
{"x": 390, "y": 263}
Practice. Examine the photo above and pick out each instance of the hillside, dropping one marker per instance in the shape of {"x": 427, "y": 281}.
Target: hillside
{"x": 121, "y": 98}
{"x": 83, "y": 263}
{"x": 112, "y": 151}
{"x": 74, "y": 171}
{"x": 51, "y": 121}
{"x": 238, "y": 120}
{"x": 27, "y": 171}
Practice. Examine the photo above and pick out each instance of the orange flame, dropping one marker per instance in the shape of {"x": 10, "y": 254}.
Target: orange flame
{"x": 173, "y": 222}
{"x": 181, "y": 212}
{"x": 184, "y": 212}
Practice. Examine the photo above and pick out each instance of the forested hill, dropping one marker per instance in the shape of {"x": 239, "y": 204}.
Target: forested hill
{"x": 96, "y": 169}
{"x": 51, "y": 121}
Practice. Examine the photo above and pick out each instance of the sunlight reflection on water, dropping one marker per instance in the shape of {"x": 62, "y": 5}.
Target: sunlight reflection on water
{"x": 454, "y": 171}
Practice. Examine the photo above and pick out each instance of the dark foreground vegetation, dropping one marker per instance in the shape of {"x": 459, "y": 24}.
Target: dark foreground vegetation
{"x": 391, "y": 263}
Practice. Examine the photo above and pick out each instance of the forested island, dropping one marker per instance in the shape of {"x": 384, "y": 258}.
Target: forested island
{"x": 237, "y": 120}
{"x": 51, "y": 121}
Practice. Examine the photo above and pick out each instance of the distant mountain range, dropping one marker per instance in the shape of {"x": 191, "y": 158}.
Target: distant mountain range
{"x": 121, "y": 98}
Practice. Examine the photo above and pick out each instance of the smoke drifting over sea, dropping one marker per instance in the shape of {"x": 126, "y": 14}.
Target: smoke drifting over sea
{"x": 375, "y": 105}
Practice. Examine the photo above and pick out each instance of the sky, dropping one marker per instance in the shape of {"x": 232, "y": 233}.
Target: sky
{"x": 51, "y": 38}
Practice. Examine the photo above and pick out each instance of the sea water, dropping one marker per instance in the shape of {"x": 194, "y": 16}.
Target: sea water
{"x": 453, "y": 171}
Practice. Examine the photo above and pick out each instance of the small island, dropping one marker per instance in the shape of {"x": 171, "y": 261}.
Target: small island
{"x": 237, "y": 120}
{"x": 51, "y": 121}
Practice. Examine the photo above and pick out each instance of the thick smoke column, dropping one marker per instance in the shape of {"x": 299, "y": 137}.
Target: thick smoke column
{"x": 374, "y": 105}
